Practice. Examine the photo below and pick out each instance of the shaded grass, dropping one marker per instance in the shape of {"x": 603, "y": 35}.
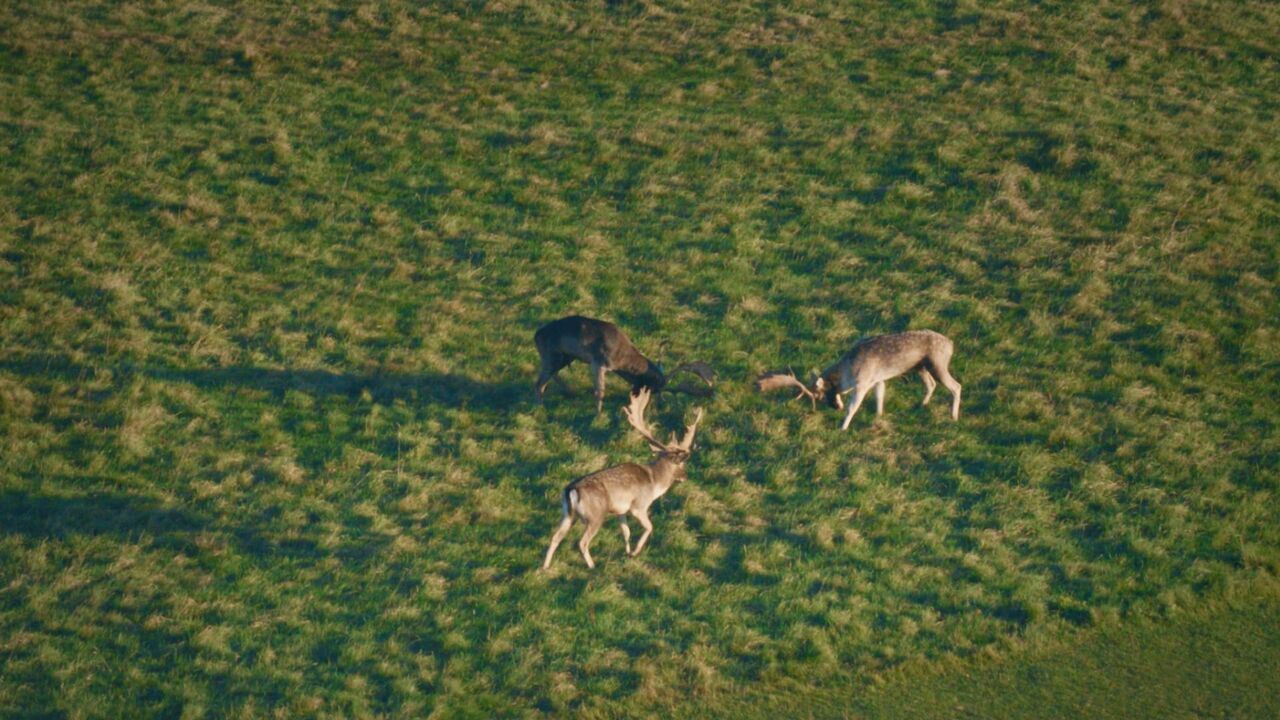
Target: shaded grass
{"x": 269, "y": 280}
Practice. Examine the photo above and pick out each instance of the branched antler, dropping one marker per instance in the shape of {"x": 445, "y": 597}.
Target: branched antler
{"x": 699, "y": 368}
{"x": 635, "y": 416}
{"x": 686, "y": 443}
{"x": 775, "y": 380}
{"x": 703, "y": 372}
{"x": 691, "y": 389}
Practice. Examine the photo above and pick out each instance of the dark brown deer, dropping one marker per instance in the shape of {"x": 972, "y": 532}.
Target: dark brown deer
{"x": 870, "y": 363}
{"x": 624, "y": 489}
{"x": 606, "y": 349}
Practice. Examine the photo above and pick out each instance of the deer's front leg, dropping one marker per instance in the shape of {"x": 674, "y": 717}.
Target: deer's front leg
{"x": 642, "y": 516}
{"x": 858, "y": 396}
{"x": 598, "y": 371}
{"x": 626, "y": 534}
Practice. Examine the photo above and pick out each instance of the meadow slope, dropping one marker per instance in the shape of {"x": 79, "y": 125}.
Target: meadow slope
{"x": 269, "y": 279}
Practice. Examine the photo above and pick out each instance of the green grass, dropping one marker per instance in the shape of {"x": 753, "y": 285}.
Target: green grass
{"x": 1220, "y": 658}
{"x": 268, "y": 284}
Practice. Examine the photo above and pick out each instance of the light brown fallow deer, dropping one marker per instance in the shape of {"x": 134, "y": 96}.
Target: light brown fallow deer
{"x": 869, "y": 364}
{"x": 624, "y": 489}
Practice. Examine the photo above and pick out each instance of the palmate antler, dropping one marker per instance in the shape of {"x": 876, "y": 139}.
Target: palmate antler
{"x": 686, "y": 443}
{"x": 635, "y": 416}
{"x": 775, "y": 380}
{"x": 699, "y": 368}
{"x": 704, "y": 373}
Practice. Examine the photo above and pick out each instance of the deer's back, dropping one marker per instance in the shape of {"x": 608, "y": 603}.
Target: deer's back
{"x": 613, "y": 489}
{"x": 582, "y": 337}
{"x": 895, "y": 354}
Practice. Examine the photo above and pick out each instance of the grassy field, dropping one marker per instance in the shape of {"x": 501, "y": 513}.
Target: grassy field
{"x": 1219, "y": 660}
{"x": 1216, "y": 659}
{"x": 269, "y": 278}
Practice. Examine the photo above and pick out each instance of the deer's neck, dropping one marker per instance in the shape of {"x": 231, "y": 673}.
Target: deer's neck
{"x": 629, "y": 360}
{"x": 638, "y": 370}
{"x": 663, "y": 472}
{"x": 832, "y": 375}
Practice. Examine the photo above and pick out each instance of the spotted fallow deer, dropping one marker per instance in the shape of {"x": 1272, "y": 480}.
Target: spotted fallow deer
{"x": 606, "y": 349}
{"x": 624, "y": 489}
{"x": 869, "y": 364}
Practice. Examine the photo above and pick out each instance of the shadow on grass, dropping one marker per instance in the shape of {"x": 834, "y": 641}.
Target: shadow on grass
{"x": 434, "y": 388}
{"x": 60, "y": 517}
{"x": 734, "y": 569}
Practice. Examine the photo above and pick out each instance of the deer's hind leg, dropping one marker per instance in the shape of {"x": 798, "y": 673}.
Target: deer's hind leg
{"x": 552, "y": 363}
{"x": 952, "y": 385}
{"x": 584, "y": 544}
{"x": 561, "y": 531}
{"x": 929, "y": 384}
{"x": 879, "y": 398}
{"x": 564, "y": 386}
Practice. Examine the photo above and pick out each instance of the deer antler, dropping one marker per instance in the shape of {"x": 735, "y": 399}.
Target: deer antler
{"x": 774, "y": 380}
{"x": 635, "y": 415}
{"x": 699, "y": 368}
{"x": 704, "y": 373}
{"x": 691, "y": 389}
{"x": 686, "y": 444}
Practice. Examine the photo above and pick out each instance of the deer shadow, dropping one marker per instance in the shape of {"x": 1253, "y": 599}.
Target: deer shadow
{"x": 426, "y": 387}
{"x": 431, "y": 388}
{"x": 53, "y": 517}
{"x": 134, "y": 518}
{"x": 568, "y": 406}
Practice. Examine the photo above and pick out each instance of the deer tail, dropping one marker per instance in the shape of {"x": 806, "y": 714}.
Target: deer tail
{"x": 570, "y": 501}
